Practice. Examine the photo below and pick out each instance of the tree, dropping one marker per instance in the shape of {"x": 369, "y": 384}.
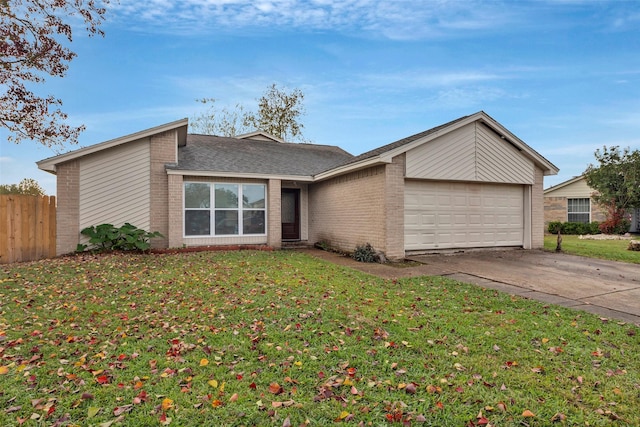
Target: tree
{"x": 27, "y": 186}
{"x": 32, "y": 33}
{"x": 616, "y": 180}
{"x": 278, "y": 114}
{"x": 223, "y": 122}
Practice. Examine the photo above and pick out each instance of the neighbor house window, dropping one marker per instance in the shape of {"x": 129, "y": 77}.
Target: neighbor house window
{"x": 578, "y": 210}
{"x": 221, "y": 209}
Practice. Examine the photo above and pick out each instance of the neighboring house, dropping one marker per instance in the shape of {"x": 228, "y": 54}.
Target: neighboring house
{"x": 469, "y": 183}
{"x": 570, "y": 201}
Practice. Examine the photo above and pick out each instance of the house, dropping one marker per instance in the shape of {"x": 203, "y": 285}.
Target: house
{"x": 570, "y": 201}
{"x": 469, "y": 183}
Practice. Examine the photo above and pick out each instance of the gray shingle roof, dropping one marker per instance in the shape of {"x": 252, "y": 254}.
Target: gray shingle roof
{"x": 224, "y": 154}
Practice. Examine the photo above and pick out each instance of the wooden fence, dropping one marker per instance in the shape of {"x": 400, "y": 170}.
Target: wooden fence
{"x": 27, "y": 228}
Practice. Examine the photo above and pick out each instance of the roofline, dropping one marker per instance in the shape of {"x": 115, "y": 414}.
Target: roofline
{"x": 49, "y": 164}
{"x": 302, "y": 178}
{"x": 551, "y": 169}
{"x": 339, "y": 170}
{"x": 387, "y": 156}
{"x": 564, "y": 184}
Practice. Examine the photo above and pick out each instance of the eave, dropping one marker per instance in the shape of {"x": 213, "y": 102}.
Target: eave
{"x": 49, "y": 164}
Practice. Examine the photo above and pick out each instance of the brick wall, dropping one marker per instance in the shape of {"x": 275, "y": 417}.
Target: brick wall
{"x": 175, "y": 212}
{"x": 274, "y": 208}
{"x": 394, "y": 207}
{"x": 163, "y": 148}
{"x": 349, "y": 210}
{"x": 68, "y": 209}
{"x": 537, "y": 210}
{"x": 555, "y": 209}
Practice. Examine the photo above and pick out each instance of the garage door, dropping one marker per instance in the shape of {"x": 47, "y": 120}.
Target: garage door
{"x": 445, "y": 215}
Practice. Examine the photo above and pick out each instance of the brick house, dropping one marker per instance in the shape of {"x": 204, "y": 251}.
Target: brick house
{"x": 571, "y": 201}
{"x": 469, "y": 183}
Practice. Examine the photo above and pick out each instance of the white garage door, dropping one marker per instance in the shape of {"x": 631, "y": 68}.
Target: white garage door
{"x": 444, "y": 215}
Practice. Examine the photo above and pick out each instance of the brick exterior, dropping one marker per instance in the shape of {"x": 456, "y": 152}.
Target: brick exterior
{"x": 163, "y": 148}
{"x": 555, "y": 209}
{"x": 349, "y": 210}
{"x": 537, "y": 211}
{"x": 394, "y": 207}
{"x": 68, "y": 207}
{"x": 175, "y": 213}
{"x": 274, "y": 209}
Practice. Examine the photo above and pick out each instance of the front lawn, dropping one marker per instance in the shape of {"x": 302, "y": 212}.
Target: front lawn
{"x": 614, "y": 250}
{"x": 283, "y": 339}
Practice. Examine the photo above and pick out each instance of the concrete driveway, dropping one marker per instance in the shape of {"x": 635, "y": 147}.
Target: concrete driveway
{"x": 607, "y": 288}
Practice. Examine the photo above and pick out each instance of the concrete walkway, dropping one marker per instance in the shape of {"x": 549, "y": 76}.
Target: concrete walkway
{"x": 607, "y": 288}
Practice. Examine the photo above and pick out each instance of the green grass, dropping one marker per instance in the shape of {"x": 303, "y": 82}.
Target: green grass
{"x": 280, "y": 338}
{"x": 614, "y": 250}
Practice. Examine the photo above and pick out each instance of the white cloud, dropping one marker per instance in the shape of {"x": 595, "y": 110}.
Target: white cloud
{"x": 5, "y": 159}
{"x": 398, "y": 19}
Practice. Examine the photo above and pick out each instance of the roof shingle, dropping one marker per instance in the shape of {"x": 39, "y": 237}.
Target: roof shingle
{"x": 226, "y": 154}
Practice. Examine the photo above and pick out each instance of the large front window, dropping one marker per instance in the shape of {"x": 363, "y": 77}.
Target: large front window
{"x": 578, "y": 210}
{"x": 221, "y": 209}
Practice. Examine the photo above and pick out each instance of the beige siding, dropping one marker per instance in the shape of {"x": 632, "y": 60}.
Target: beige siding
{"x": 115, "y": 186}
{"x": 349, "y": 210}
{"x": 471, "y": 153}
{"x": 575, "y": 190}
{"x": 499, "y": 161}
{"x": 452, "y": 157}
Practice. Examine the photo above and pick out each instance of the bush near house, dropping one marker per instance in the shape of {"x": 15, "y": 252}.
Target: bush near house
{"x": 574, "y": 227}
{"x": 105, "y": 237}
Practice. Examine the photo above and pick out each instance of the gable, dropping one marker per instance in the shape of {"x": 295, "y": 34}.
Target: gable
{"x": 575, "y": 188}
{"x": 472, "y": 152}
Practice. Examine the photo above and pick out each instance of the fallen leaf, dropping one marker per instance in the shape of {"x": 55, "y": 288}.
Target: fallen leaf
{"x": 204, "y": 362}
{"x": 164, "y": 420}
{"x": 119, "y": 410}
{"x": 167, "y": 404}
{"x": 528, "y": 414}
{"x": 4, "y": 370}
{"x": 92, "y": 411}
{"x": 275, "y": 388}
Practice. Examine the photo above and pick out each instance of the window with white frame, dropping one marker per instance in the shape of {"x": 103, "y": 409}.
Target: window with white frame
{"x": 578, "y": 210}
{"x": 224, "y": 209}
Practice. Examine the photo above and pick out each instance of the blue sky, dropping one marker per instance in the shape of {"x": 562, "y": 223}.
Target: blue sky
{"x": 564, "y": 76}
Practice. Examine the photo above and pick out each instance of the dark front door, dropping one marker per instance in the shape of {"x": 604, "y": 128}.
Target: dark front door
{"x": 290, "y": 214}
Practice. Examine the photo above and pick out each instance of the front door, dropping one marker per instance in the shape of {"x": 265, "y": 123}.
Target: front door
{"x": 290, "y": 214}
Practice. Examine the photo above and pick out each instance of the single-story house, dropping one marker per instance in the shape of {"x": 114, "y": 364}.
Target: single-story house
{"x": 571, "y": 201}
{"x": 469, "y": 183}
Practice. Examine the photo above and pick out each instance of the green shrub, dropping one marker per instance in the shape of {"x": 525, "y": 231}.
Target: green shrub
{"x": 105, "y": 237}
{"x": 573, "y": 227}
{"x": 364, "y": 253}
